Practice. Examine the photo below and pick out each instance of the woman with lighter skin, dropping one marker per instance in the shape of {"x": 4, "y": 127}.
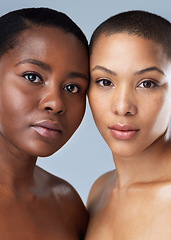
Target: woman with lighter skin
{"x": 130, "y": 98}
{"x": 43, "y": 85}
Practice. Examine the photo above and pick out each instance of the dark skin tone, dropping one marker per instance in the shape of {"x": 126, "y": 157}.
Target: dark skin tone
{"x": 42, "y": 87}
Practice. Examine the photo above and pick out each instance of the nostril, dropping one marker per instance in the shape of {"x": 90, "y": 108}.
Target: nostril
{"x": 52, "y": 104}
{"x": 48, "y": 108}
{"x": 124, "y": 109}
{"x": 59, "y": 112}
{"x": 128, "y": 114}
{"x": 51, "y": 110}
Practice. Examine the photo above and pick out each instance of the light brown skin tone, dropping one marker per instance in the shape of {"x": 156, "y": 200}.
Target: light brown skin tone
{"x": 44, "y": 78}
{"x": 131, "y": 85}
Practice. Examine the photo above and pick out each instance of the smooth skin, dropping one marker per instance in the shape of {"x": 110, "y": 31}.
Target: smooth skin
{"x": 130, "y": 98}
{"x": 43, "y": 86}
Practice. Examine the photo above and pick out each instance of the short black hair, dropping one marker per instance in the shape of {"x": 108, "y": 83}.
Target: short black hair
{"x": 15, "y": 22}
{"x": 137, "y": 23}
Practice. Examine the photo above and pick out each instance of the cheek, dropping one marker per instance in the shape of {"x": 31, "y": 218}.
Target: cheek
{"x": 16, "y": 96}
{"x": 9, "y": 105}
{"x": 158, "y": 114}
{"x": 99, "y": 104}
{"x": 94, "y": 104}
{"x": 78, "y": 114}
{"x": 14, "y": 105}
{"x": 99, "y": 110}
{"x": 75, "y": 113}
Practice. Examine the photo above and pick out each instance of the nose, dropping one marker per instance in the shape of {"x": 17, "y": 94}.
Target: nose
{"x": 123, "y": 103}
{"x": 52, "y": 101}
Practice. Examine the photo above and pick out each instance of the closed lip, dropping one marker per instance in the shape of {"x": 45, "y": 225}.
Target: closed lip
{"x": 50, "y": 125}
{"x": 48, "y": 129}
{"x": 123, "y": 131}
{"x": 123, "y": 127}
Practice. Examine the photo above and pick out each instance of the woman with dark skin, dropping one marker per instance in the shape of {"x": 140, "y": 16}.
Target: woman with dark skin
{"x": 43, "y": 83}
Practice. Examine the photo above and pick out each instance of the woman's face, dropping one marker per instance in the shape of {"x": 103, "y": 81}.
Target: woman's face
{"x": 43, "y": 83}
{"x": 129, "y": 92}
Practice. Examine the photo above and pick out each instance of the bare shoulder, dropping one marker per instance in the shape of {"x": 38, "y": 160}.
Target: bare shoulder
{"x": 65, "y": 196}
{"x": 97, "y": 189}
{"x": 57, "y": 186}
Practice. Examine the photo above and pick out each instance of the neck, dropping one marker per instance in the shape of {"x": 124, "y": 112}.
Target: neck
{"x": 16, "y": 168}
{"x": 147, "y": 166}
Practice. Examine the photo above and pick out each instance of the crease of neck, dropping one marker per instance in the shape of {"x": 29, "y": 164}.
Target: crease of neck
{"x": 152, "y": 165}
{"x": 16, "y": 168}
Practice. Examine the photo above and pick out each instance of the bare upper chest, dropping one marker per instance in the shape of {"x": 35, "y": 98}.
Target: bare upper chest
{"x": 41, "y": 220}
{"x": 134, "y": 215}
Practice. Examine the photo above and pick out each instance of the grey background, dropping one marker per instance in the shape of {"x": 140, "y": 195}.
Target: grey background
{"x": 86, "y": 156}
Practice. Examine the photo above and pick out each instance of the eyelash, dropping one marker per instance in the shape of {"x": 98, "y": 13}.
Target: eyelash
{"x": 36, "y": 77}
{"x": 72, "y": 89}
{"x": 103, "y": 82}
{"x": 153, "y": 84}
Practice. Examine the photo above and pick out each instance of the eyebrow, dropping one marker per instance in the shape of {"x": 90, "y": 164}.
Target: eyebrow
{"x": 149, "y": 69}
{"x": 46, "y": 67}
{"x": 104, "y": 70}
{"x": 38, "y": 63}
{"x": 78, "y": 75}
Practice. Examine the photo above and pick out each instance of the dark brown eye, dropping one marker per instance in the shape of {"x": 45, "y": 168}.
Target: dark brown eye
{"x": 104, "y": 82}
{"x": 148, "y": 84}
{"x": 72, "y": 88}
{"x": 33, "y": 77}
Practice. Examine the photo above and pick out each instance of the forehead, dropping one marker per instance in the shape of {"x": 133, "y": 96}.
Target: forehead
{"x": 50, "y": 45}
{"x": 46, "y": 37}
{"x": 123, "y": 42}
{"x": 121, "y": 49}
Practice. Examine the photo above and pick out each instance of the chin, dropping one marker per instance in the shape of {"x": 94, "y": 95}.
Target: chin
{"x": 124, "y": 152}
{"x": 46, "y": 153}
{"x": 43, "y": 149}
